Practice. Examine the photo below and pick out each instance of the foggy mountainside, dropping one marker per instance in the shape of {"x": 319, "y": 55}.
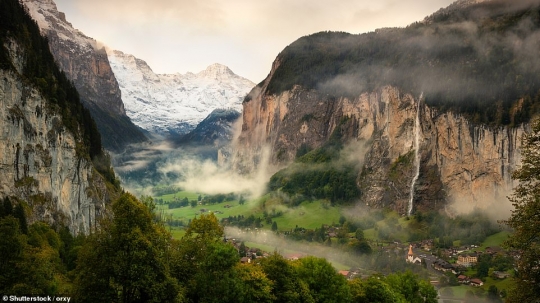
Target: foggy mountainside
{"x": 429, "y": 116}
{"x": 215, "y": 129}
{"x": 476, "y": 59}
{"x": 141, "y": 165}
{"x": 399, "y": 165}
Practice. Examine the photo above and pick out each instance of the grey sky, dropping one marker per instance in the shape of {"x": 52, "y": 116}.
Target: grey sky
{"x": 246, "y": 35}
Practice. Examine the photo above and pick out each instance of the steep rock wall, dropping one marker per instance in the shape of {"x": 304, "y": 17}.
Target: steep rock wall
{"x": 85, "y": 62}
{"x": 39, "y": 162}
{"x": 80, "y": 57}
{"x": 459, "y": 162}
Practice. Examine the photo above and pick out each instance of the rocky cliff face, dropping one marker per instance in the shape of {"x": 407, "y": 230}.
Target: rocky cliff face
{"x": 453, "y": 150}
{"x": 458, "y": 161}
{"x": 85, "y": 62}
{"x": 39, "y": 162}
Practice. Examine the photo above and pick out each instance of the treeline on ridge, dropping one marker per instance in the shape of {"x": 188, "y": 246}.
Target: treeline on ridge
{"x": 469, "y": 61}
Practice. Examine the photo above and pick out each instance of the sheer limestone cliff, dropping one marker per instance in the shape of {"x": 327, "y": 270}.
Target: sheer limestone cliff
{"x": 459, "y": 162}
{"x": 39, "y": 161}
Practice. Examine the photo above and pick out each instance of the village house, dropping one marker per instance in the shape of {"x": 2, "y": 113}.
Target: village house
{"x": 467, "y": 260}
{"x": 463, "y": 279}
{"x": 345, "y": 273}
{"x": 501, "y": 274}
{"x": 293, "y": 257}
{"x": 443, "y": 266}
{"x": 494, "y": 250}
{"x": 476, "y": 282}
{"x": 427, "y": 244}
{"x": 354, "y": 272}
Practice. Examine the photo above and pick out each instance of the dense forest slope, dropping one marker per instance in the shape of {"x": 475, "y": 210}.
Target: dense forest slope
{"x": 51, "y": 155}
{"x": 448, "y": 96}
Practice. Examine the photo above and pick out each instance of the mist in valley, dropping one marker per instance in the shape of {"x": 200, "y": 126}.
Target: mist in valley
{"x": 470, "y": 219}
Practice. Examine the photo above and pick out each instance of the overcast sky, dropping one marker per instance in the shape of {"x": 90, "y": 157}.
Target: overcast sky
{"x": 246, "y": 35}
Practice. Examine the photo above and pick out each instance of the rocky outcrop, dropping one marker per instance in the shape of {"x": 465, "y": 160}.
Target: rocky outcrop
{"x": 85, "y": 62}
{"x": 459, "y": 161}
{"x": 39, "y": 162}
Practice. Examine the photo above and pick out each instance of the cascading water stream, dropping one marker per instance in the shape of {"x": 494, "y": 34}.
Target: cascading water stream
{"x": 416, "y": 155}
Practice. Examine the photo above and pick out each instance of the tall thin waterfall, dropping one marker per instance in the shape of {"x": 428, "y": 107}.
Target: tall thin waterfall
{"x": 416, "y": 155}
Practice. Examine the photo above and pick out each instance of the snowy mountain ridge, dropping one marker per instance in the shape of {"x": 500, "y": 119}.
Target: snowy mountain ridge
{"x": 84, "y": 61}
{"x": 48, "y": 18}
{"x": 175, "y": 103}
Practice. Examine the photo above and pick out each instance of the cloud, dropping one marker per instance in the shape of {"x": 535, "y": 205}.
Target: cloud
{"x": 285, "y": 247}
{"x": 208, "y": 177}
{"x": 205, "y": 14}
{"x": 180, "y": 36}
{"x": 493, "y": 203}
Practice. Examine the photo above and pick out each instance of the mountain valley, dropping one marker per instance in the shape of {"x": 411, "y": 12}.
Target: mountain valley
{"x": 402, "y": 150}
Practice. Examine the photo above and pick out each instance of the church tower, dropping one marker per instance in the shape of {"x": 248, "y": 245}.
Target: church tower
{"x": 411, "y": 258}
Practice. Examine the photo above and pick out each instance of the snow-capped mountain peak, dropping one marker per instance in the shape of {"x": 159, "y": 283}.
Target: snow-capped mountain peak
{"x": 46, "y": 14}
{"x": 216, "y": 71}
{"x": 175, "y": 103}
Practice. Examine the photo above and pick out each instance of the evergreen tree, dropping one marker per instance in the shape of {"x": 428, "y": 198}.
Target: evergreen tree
{"x": 20, "y": 214}
{"x": 11, "y": 250}
{"x": 274, "y": 226}
{"x": 525, "y": 219}
{"x": 8, "y": 207}
{"x": 242, "y": 250}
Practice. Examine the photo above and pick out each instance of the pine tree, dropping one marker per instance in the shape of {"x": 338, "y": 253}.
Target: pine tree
{"x": 525, "y": 219}
{"x": 20, "y": 214}
{"x": 8, "y": 208}
{"x": 274, "y": 226}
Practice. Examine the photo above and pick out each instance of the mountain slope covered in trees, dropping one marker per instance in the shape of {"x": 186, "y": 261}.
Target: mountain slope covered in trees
{"x": 476, "y": 59}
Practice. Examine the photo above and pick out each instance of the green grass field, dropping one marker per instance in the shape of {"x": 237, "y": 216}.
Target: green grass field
{"x": 187, "y": 213}
{"x": 395, "y": 225}
{"x": 180, "y": 195}
{"x": 176, "y": 232}
{"x": 495, "y": 240}
{"x": 308, "y": 215}
{"x": 457, "y": 292}
{"x": 505, "y": 284}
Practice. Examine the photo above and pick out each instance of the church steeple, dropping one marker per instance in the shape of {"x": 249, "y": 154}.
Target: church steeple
{"x": 411, "y": 258}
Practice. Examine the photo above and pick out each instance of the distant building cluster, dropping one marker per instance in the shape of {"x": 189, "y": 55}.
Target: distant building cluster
{"x": 463, "y": 256}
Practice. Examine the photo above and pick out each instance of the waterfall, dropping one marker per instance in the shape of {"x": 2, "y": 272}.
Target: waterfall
{"x": 416, "y": 155}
